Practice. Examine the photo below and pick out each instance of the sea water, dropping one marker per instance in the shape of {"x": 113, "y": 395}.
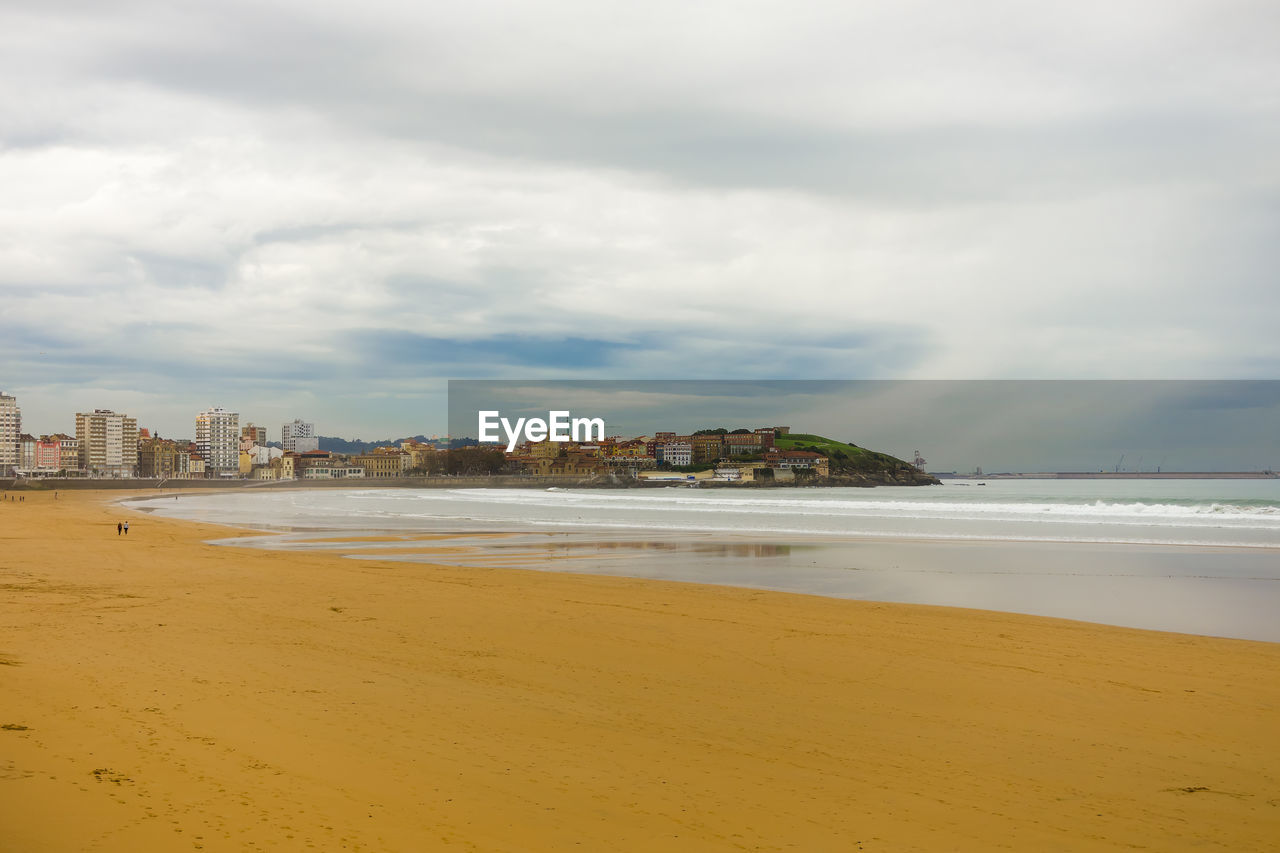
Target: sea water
{"x": 1197, "y": 556}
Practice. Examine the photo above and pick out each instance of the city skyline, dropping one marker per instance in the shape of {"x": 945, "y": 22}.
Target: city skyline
{"x": 1001, "y": 425}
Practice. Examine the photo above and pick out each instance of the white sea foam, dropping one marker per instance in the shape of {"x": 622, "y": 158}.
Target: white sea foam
{"x": 1233, "y": 513}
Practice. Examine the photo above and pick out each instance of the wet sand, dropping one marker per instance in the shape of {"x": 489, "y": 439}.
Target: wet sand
{"x": 170, "y": 695}
{"x": 1192, "y": 589}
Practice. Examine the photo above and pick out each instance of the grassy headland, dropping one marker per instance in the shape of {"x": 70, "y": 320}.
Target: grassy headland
{"x": 852, "y": 465}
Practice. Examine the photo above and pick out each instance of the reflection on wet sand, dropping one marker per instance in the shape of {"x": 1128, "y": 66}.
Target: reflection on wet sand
{"x": 1231, "y": 592}
{"x": 753, "y": 550}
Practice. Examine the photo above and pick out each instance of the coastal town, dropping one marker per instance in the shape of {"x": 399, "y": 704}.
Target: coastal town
{"x": 110, "y": 445}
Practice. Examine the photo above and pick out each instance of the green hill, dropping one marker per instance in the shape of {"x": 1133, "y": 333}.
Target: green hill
{"x": 856, "y": 465}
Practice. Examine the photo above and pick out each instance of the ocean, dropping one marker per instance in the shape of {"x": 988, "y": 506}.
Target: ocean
{"x": 1194, "y": 556}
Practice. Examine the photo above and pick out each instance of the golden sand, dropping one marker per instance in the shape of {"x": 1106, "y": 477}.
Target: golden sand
{"x": 157, "y": 693}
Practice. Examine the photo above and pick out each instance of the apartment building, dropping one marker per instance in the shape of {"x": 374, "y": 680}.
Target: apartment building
{"x": 707, "y": 448}
{"x": 676, "y": 453}
{"x": 70, "y": 451}
{"x": 107, "y": 442}
{"x": 738, "y": 444}
{"x": 256, "y": 434}
{"x": 218, "y": 440}
{"x": 48, "y": 453}
{"x": 299, "y": 437}
{"x": 10, "y": 430}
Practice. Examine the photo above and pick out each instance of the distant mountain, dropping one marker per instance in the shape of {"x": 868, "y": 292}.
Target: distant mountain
{"x": 355, "y": 446}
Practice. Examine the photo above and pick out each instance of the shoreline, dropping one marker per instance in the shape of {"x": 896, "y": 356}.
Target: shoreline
{"x": 176, "y": 695}
{"x": 1203, "y": 589}
{"x": 507, "y": 481}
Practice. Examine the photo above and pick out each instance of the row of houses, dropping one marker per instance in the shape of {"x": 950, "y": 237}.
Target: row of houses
{"x": 733, "y": 456}
{"x": 164, "y": 458}
{"x": 105, "y": 443}
{"x": 110, "y": 444}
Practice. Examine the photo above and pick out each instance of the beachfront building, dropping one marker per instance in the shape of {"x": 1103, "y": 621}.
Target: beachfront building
{"x": 49, "y": 453}
{"x": 299, "y": 437}
{"x": 161, "y": 458}
{"x": 26, "y": 453}
{"x": 628, "y": 462}
{"x": 260, "y": 456}
{"x": 332, "y": 469}
{"x": 218, "y": 441}
{"x": 707, "y": 447}
{"x": 108, "y": 443}
{"x": 546, "y": 449}
{"x": 383, "y": 463}
{"x": 422, "y": 457}
{"x": 738, "y": 472}
{"x": 10, "y": 430}
{"x": 574, "y": 463}
{"x": 57, "y": 452}
{"x": 70, "y": 451}
{"x": 676, "y": 453}
{"x": 747, "y": 443}
{"x": 799, "y": 460}
{"x": 634, "y": 447}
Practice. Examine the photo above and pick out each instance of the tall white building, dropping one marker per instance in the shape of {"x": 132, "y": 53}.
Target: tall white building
{"x": 108, "y": 443}
{"x": 299, "y": 437}
{"x": 218, "y": 440}
{"x": 10, "y": 430}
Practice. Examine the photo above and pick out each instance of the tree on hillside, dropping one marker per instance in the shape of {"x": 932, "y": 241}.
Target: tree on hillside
{"x": 476, "y": 460}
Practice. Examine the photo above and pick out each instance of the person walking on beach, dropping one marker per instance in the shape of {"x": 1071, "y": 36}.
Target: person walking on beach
{"x": 126, "y": 528}
{"x": 119, "y": 527}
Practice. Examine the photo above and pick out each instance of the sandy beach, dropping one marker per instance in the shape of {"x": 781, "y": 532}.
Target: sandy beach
{"x": 159, "y": 693}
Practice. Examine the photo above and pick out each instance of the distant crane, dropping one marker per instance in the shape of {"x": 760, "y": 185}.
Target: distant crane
{"x": 1118, "y": 463}
{"x": 919, "y": 463}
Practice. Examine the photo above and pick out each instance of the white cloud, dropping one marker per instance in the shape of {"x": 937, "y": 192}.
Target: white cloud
{"x": 814, "y": 189}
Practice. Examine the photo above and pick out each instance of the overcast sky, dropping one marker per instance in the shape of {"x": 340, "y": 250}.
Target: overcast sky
{"x": 299, "y": 209}
{"x": 1027, "y": 425}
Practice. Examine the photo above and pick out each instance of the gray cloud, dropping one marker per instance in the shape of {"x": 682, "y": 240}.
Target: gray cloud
{"x": 234, "y": 199}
